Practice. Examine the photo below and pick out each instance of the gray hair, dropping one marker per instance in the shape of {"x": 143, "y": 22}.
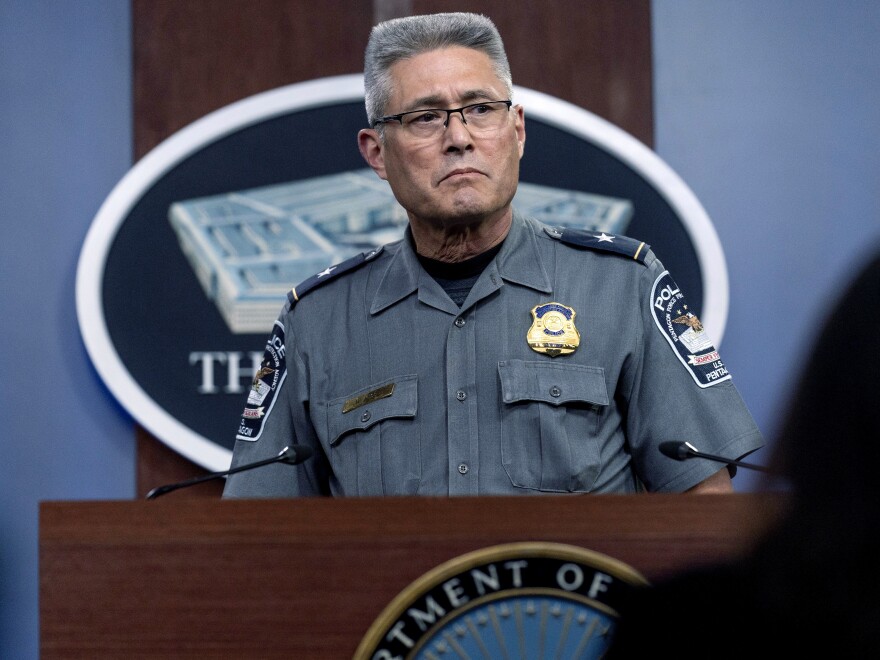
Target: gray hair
{"x": 401, "y": 38}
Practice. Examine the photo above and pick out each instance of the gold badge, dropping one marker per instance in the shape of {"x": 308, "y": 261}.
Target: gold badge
{"x": 553, "y": 331}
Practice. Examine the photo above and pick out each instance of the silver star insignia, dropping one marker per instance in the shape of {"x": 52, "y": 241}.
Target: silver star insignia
{"x": 326, "y": 271}
{"x": 604, "y": 238}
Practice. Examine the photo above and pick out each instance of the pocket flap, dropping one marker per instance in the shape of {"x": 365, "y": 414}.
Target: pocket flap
{"x": 395, "y": 397}
{"x": 556, "y": 384}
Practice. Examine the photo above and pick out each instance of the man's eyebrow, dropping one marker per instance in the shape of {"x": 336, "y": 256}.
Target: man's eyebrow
{"x": 425, "y": 102}
{"x": 438, "y": 102}
{"x": 478, "y": 95}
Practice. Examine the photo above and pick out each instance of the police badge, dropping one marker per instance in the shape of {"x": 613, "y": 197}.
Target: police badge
{"x": 553, "y": 332}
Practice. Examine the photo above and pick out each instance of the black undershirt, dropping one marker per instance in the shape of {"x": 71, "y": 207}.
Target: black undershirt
{"x": 458, "y": 278}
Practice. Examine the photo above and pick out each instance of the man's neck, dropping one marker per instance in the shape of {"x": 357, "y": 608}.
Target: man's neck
{"x": 459, "y": 242}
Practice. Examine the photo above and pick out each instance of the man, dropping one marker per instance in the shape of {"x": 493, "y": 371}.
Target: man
{"x": 484, "y": 353}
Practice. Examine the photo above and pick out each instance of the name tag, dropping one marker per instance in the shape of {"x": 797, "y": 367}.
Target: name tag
{"x": 364, "y": 399}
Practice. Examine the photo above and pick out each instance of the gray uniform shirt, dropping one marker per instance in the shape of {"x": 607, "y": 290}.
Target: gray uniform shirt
{"x": 400, "y": 392}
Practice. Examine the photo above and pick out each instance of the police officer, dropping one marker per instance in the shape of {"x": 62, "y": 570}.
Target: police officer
{"x": 484, "y": 353}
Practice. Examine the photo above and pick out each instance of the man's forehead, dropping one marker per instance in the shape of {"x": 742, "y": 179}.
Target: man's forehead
{"x": 443, "y": 76}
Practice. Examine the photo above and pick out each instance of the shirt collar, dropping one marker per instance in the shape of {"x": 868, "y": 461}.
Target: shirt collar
{"x": 519, "y": 261}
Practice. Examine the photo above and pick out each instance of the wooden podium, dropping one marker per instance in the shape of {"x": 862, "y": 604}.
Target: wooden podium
{"x": 199, "y": 578}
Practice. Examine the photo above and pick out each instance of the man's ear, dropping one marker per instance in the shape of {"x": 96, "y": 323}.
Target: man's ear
{"x": 372, "y": 149}
{"x": 520, "y": 128}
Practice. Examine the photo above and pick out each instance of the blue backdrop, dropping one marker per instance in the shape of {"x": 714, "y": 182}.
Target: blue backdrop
{"x": 768, "y": 110}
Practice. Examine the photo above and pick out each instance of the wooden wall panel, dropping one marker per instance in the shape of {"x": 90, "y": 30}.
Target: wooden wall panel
{"x": 593, "y": 53}
{"x": 194, "y": 56}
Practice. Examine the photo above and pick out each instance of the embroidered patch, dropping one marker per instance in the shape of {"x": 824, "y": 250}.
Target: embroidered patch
{"x": 264, "y": 390}
{"x": 685, "y": 333}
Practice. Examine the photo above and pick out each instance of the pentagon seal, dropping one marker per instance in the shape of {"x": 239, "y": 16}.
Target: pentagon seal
{"x": 518, "y": 600}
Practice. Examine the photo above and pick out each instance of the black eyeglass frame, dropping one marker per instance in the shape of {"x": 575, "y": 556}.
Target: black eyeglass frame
{"x": 399, "y": 117}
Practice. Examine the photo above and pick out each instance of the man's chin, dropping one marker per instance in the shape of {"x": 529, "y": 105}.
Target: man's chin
{"x": 469, "y": 206}
{"x": 467, "y": 216}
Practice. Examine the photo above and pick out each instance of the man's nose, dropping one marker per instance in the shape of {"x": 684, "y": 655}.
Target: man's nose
{"x": 456, "y": 135}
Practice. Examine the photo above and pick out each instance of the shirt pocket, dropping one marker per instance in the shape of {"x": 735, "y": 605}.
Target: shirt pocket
{"x": 373, "y": 439}
{"x": 549, "y": 422}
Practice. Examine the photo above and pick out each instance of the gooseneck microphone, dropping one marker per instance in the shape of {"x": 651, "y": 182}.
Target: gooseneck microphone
{"x": 682, "y": 451}
{"x": 292, "y": 455}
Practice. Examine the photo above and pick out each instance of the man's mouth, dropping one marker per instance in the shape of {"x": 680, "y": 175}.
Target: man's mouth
{"x": 462, "y": 171}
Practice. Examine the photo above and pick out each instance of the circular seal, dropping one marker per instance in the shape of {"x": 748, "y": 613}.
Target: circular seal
{"x": 517, "y": 600}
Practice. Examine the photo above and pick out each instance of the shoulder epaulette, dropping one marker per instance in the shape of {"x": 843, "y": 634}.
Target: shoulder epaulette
{"x": 330, "y": 273}
{"x": 615, "y": 243}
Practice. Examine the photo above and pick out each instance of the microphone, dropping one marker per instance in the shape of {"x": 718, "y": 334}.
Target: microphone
{"x": 292, "y": 455}
{"x": 681, "y": 451}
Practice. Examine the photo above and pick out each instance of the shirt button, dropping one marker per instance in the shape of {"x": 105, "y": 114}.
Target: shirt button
{"x": 365, "y": 416}
{"x": 459, "y": 322}
{"x": 463, "y": 468}
{"x": 555, "y": 391}
{"x": 461, "y": 395}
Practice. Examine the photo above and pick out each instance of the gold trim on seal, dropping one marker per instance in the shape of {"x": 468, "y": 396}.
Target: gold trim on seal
{"x": 462, "y": 563}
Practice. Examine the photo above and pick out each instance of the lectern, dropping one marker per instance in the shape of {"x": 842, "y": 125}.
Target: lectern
{"x": 306, "y": 578}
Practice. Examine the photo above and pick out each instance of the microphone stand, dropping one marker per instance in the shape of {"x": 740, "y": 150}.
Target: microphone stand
{"x": 681, "y": 451}
{"x": 289, "y": 455}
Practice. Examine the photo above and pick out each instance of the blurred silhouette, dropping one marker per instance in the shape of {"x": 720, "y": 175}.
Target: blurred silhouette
{"x": 811, "y": 585}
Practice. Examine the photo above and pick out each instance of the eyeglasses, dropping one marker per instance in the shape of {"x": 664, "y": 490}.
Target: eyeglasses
{"x": 480, "y": 118}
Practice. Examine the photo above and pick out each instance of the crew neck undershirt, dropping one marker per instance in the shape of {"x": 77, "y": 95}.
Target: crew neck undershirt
{"x": 457, "y": 279}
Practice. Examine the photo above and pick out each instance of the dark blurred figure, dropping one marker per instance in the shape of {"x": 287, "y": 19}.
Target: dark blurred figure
{"x": 811, "y": 586}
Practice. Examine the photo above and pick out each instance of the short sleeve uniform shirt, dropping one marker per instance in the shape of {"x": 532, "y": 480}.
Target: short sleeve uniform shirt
{"x": 401, "y": 392}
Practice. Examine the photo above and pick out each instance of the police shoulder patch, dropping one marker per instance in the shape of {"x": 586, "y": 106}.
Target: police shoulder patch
{"x": 330, "y": 273}
{"x": 685, "y": 333}
{"x": 265, "y": 387}
{"x": 614, "y": 243}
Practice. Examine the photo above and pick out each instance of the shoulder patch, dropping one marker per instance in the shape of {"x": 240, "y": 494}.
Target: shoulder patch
{"x": 614, "y": 243}
{"x": 330, "y": 273}
{"x": 685, "y": 333}
{"x": 264, "y": 390}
